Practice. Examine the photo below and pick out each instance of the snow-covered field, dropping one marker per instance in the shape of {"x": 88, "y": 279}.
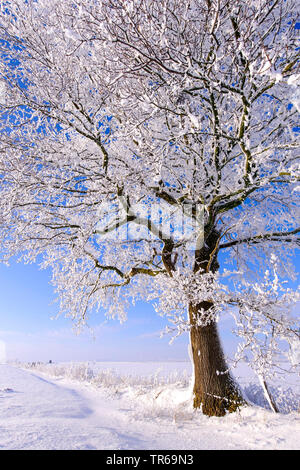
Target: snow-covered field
{"x": 132, "y": 406}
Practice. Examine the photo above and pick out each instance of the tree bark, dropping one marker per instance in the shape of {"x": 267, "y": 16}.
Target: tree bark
{"x": 215, "y": 391}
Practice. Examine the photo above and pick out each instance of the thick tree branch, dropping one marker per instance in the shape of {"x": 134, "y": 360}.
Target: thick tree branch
{"x": 275, "y": 236}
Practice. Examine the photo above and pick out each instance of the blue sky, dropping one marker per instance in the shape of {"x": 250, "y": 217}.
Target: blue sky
{"x": 31, "y": 331}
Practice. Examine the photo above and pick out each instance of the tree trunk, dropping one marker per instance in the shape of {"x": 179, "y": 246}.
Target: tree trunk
{"x": 214, "y": 389}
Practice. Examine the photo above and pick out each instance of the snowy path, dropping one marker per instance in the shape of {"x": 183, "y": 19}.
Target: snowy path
{"x": 41, "y": 413}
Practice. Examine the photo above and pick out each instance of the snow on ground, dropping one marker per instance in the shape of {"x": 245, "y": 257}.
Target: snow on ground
{"x": 127, "y": 406}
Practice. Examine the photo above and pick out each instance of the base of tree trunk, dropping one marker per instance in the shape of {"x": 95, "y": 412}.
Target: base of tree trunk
{"x": 218, "y": 406}
{"x": 215, "y": 391}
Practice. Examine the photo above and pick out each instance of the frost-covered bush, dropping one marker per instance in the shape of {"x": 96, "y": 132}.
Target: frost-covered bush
{"x": 109, "y": 376}
{"x": 286, "y": 399}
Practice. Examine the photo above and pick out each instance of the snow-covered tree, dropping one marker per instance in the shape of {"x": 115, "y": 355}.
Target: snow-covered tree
{"x": 139, "y": 140}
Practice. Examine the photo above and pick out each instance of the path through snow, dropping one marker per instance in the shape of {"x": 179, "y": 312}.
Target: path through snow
{"x": 37, "y": 412}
